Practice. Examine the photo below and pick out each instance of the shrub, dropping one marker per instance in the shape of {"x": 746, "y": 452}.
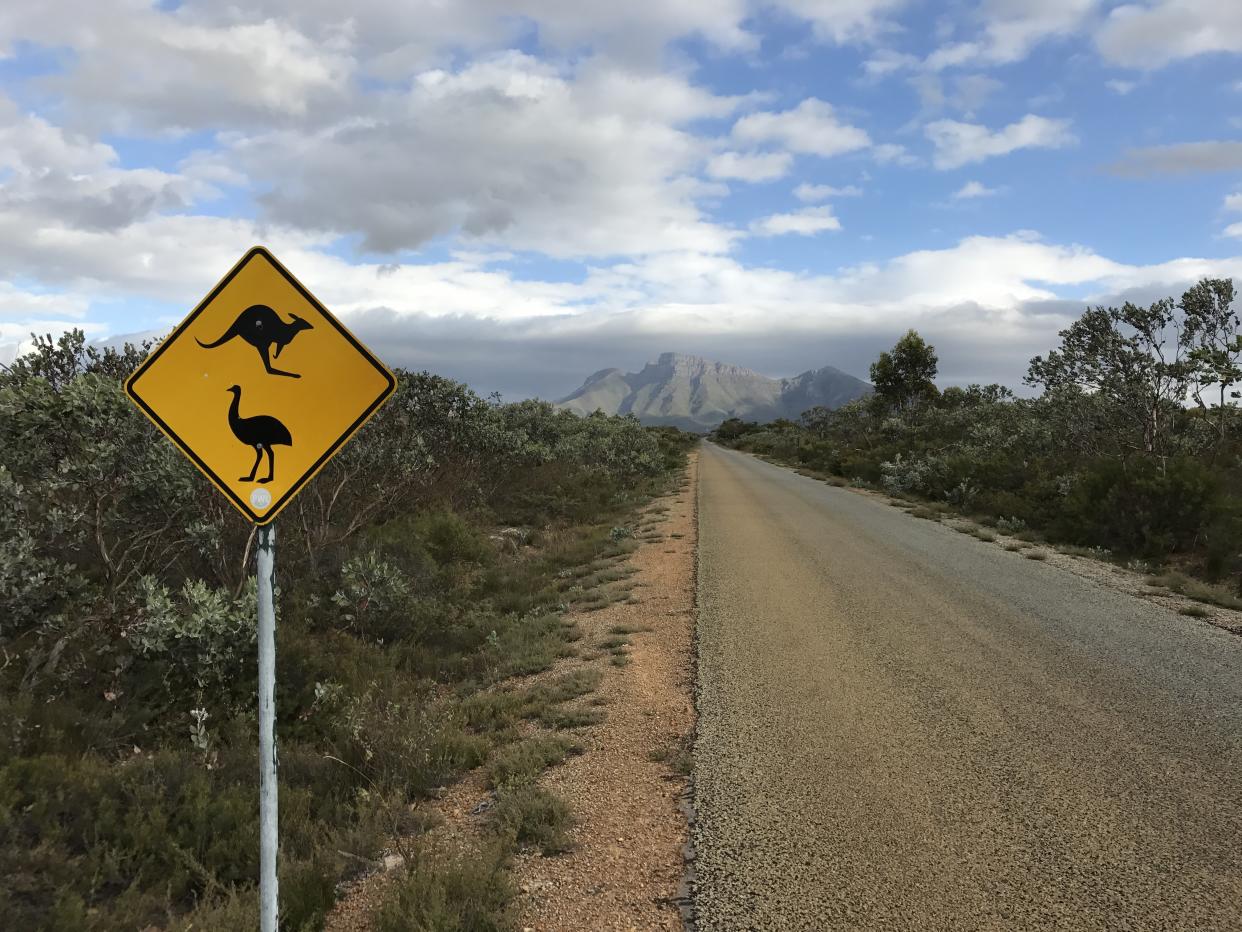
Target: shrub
{"x": 446, "y": 891}
{"x": 1137, "y": 508}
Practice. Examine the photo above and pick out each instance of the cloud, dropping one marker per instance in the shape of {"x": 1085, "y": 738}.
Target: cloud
{"x": 988, "y": 303}
{"x": 1011, "y": 28}
{"x": 821, "y": 192}
{"x": 1233, "y": 201}
{"x": 1234, "y": 229}
{"x": 892, "y": 153}
{"x": 805, "y": 222}
{"x": 843, "y": 21}
{"x": 754, "y": 166}
{"x": 974, "y": 189}
{"x": 137, "y": 68}
{"x": 1121, "y": 88}
{"x": 969, "y": 92}
{"x": 55, "y": 176}
{"x": 1150, "y": 35}
{"x": 888, "y": 61}
{"x": 811, "y": 128}
{"x": 958, "y": 144}
{"x": 507, "y": 151}
{"x": 1180, "y": 159}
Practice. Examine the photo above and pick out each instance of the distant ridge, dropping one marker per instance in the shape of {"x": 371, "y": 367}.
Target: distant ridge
{"x": 697, "y": 394}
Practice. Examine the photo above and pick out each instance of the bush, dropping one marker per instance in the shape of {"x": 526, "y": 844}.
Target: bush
{"x": 529, "y": 815}
{"x": 446, "y": 891}
{"x": 1139, "y": 509}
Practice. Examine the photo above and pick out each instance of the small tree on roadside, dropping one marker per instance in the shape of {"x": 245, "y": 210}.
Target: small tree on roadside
{"x": 905, "y": 376}
{"x": 1133, "y": 360}
{"x": 1212, "y": 331}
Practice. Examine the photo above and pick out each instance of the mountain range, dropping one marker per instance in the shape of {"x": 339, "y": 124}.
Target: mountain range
{"x": 697, "y": 394}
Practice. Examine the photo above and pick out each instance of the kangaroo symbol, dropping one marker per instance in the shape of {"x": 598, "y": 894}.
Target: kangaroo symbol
{"x": 262, "y": 433}
{"x": 262, "y": 328}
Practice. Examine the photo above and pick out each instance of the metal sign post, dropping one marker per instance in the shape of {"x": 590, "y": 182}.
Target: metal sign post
{"x": 220, "y": 389}
{"x": 265, "y": 568}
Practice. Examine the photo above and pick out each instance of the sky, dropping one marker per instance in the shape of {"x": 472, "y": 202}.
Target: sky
{"x": 519, "y": 194}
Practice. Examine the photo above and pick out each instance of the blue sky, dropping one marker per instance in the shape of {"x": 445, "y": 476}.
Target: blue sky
{"x": 517, "y": 194}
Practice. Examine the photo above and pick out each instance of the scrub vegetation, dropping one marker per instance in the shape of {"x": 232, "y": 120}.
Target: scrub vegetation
{"x": 1131, "y": 447}
{"x": 421, "y": 575}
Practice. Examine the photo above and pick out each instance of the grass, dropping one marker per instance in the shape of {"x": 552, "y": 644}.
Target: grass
{"x": 521, "y": 764}
{"x": 530, "y": 816}
{"x": 628, "y": 629}
{"x": 1195, "y": 590}
{"x": 679, "y": 756}
{"x": 572, "y": 717}
{"x": 1036, "y": 555}
{"x": 1195, "y": 611}
{"x": 441, "y": 890}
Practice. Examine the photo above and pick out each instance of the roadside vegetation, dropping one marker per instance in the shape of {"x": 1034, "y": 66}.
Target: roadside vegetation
{"x": 421, "y": 576}
{"x": 1131, "y": 448}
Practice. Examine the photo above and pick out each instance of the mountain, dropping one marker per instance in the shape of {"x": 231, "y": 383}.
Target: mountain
{"x": 697, "y": 394}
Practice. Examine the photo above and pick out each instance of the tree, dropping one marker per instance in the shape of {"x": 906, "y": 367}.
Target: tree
{"x": 1133, "y": 360}
{"x": 904, "y": 376}
{"x": 1212, "y": 330}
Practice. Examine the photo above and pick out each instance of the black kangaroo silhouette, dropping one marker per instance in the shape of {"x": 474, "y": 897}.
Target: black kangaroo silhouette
{"x": 262, "y": 433}
{"x": 262, "y": 328}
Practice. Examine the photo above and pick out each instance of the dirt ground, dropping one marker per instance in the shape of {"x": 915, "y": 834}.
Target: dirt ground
{"x": 626, "y": 869}
{"x": 626, "y": 790}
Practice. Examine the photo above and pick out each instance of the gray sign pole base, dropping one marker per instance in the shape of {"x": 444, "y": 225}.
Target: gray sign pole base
{"x": 265, "y": 561}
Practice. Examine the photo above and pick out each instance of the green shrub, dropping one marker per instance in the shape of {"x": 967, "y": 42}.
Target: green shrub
{"x": 521, "y": 763}
{"x": 1140, "y": 509}
{"x": 447, "y": 891}
{"x": 530, "y": 815}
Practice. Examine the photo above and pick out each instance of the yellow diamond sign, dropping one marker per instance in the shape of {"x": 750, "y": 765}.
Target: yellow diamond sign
{"x": 260, "y": 386}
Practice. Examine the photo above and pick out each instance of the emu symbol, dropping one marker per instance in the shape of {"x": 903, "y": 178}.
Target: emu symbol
{"x": 262, "y": 432}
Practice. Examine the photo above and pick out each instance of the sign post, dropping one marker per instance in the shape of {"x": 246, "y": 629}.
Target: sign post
{"x": 260, "y": 364}
{"x": 265, "y": 566}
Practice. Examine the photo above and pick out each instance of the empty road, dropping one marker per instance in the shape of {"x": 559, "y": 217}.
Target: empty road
{"x": 902, "y": 727}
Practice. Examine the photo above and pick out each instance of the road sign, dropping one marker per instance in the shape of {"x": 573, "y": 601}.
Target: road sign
{"x": 260, "y": 386}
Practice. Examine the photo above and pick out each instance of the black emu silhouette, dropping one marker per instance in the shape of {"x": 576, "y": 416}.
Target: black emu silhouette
{"x": 262, "y": 328}
{"x": 262, "y": 433}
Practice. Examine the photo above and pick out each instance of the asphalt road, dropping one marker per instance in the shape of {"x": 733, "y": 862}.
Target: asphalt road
{"x": 902, "y": 727}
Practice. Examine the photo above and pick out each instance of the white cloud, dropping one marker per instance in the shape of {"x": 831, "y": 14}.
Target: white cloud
{"x": 960, "y": 144}
{"x": 974, "y": 189}
{"x": 1121, "y": 87}
{"x": 753, "y": 166}
{"x": 805, "y": 222}
{"x": 136, "y": 67}
{"x": 844, "y": 21}
{"x": 1234, "y": 201}
{"x": 821, "y": 192}
{"x": 55, "y": 176}
{"x": 887, "y": 61}
{"x": 969, "y": 92}
{"x": 508, "y": 151}
{"x": 811, "y": 128}
{"x": 891, "y": 152}
{"x": 1181, "y": 159}
{"x": 1150, "y": 35}
{"x": 1234, "y": 229}
{"x": 1011, "y": 28}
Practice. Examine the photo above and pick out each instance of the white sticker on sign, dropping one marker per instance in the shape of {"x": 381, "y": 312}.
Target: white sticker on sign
{"x": 260, "y": 499}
